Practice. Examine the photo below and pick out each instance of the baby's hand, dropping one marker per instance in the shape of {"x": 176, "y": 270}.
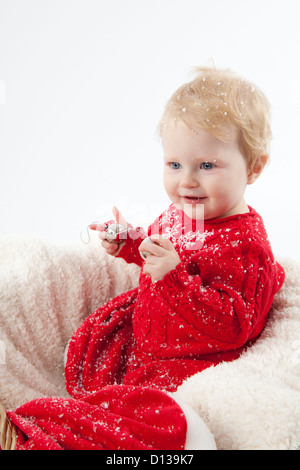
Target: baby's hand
{"x": 162, "y": 257}
{"x": 112, "y": 247}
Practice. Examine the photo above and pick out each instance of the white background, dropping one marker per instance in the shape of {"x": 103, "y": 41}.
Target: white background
{"x": 83, "y": 84}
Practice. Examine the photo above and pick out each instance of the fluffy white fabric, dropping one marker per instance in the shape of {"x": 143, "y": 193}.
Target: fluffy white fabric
{"x": 46, "y": 290}
{"x": 254, "y": 402}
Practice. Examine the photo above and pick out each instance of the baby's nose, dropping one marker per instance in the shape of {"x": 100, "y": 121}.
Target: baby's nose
{"x": 189, "y": 181}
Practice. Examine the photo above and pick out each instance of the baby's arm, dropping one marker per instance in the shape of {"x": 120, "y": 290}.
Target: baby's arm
{"x": 162, "y": 257}
{"x": 127, "y": 245}
{"x": 207, "y": 304}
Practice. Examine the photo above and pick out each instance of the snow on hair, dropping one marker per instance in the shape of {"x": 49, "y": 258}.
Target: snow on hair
{"x": 217, "y": 99}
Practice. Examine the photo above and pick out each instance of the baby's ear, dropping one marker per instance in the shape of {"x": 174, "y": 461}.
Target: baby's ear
{"x": 257, "y": 168}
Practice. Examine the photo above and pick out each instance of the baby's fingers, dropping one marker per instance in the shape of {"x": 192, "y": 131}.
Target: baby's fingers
{"x": 162, "y": 241}
{"x": 110, "y": 248}
{"x": 97, "y": 227}
{"x": 102, "y": 235}
{"x": 120, "y": 219}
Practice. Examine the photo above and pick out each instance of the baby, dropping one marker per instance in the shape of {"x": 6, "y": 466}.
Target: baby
{"x": 215, "y": 134}
{"x": 205, "y": 288}
{"x": 210, "y": 277}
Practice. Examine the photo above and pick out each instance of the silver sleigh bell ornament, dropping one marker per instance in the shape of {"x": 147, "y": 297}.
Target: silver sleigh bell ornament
{"x": 113, "y": 232}
{"x": 144, "y": 254}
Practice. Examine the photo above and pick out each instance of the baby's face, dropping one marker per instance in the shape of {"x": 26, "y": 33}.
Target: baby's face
{"x": 201, "y": 171}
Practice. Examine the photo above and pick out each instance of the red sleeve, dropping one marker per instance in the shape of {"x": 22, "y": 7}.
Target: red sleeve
{"x": 130, "y": 250}
{"x": 208, "y": 304}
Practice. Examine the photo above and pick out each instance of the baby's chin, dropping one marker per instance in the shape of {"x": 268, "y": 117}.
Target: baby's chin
{"x": 199, "y": 212}
{"x": 193, "y": 211}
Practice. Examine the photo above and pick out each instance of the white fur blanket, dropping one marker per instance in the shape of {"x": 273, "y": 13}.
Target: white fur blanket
{"x": 46, "y": 291}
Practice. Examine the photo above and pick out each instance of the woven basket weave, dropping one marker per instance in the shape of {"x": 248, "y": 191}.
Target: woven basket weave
{"x": 8, "y": 432}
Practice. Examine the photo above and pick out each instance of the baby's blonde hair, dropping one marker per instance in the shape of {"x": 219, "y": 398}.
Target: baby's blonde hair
{"x": 217, "y": 99}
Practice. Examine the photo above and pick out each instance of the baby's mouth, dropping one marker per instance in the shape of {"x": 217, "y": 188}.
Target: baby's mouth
{"x": 193, "y": 199}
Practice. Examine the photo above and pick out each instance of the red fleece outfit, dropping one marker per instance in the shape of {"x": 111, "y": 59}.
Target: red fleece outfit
{"x": 148, "y": 340}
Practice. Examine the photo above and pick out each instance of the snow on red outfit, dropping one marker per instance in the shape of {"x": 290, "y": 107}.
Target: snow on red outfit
{"x": 208, "y": 309}
{"x": 204, "y": 311}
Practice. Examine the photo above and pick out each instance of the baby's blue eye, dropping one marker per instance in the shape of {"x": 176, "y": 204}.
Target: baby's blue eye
{"x": 175, "y": 165}
{"x": 206, "y": 166}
